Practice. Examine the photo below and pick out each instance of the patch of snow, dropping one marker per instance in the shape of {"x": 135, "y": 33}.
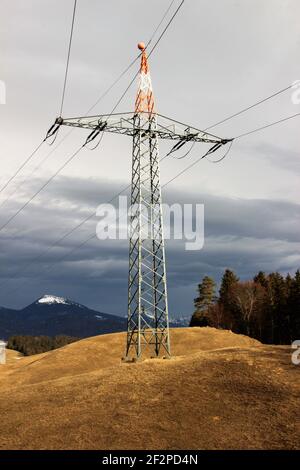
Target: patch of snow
{"x": 52, "y": 299}
{"x": 181, "y": 321}
{"x": 99, "y": 317}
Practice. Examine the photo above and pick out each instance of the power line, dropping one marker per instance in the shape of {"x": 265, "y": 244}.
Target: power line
{"x": 150, "y": 52}
{"x": 131, "y": 63}
{"x": 63, "y": 237}
{"x": 40, "y": 189}
{"x": 247, "y": 108}
{"x": 68, "y": 58}
{"x": 62, "y": 101}
{"x": 161, "y": 22}
{"x": 235, "y": 138}
{"x": 22, "y": 166}
{"x": 166, "y": 27}
{"x": 36, "y": 168}
{"x": 266, "y": 126}
{"x": 250, "y": 107}
{"x": 62, "y": 140}
{"x": 186, "y": 169}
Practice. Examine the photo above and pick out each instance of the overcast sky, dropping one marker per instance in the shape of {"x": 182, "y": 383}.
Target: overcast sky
{"x": 217, "y": 57}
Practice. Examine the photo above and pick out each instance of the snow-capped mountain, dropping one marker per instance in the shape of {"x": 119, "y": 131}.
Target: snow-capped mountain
{"x": 51, "y": 315}
{"x": 52, "y": 299}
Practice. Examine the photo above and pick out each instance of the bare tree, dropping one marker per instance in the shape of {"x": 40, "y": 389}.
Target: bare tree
{"x": 216, "y": 315}
{"x": 248, "y": 298}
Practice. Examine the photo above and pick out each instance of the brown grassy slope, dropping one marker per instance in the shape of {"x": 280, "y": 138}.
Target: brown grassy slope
{"x": 221, "y": 391}
{"x": 104, "y": 351}
{"x": 12, "y": 356}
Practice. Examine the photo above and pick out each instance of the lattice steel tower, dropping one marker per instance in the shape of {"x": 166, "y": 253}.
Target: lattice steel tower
{"x": 148, "y": 324}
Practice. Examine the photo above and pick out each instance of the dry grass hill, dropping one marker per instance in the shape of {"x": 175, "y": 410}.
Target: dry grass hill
{"x": 220, "y": 391}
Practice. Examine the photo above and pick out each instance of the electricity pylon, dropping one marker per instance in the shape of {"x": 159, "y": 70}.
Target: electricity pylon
{"x": 148, "y": 322}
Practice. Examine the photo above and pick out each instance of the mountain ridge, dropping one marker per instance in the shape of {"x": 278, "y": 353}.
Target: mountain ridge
{"x": 51, "y": 315}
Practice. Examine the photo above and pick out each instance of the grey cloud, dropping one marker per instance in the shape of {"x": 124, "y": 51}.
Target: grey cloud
{"x": 70, "y": 200}
{"x": 246, "y": 235}
{"x": 283, "y": 157}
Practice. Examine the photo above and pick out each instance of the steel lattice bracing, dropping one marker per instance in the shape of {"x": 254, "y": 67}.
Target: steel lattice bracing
{"x": 147, "y": 290}
{"x": 148, "y": 324}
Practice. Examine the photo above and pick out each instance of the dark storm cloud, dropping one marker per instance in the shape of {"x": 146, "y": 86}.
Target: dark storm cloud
{"x": 246, "y": 235}
{"x": 75, "y": 198}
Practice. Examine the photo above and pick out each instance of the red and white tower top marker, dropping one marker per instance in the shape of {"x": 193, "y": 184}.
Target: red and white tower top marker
{"x": 144, "y": 102}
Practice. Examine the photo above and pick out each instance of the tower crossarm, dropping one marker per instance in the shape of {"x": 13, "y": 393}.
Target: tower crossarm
{"x": 123, "y": 123}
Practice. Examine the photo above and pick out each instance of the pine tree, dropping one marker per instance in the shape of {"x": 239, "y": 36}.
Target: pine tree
{"x": 206, "y": 296}
{"x": 278, "y": 302}
{"x": 261, "y": 279}
{"x": 288, "y": 282}
{"x": 205, "y": 299}
{"x": 229, "y": 279}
